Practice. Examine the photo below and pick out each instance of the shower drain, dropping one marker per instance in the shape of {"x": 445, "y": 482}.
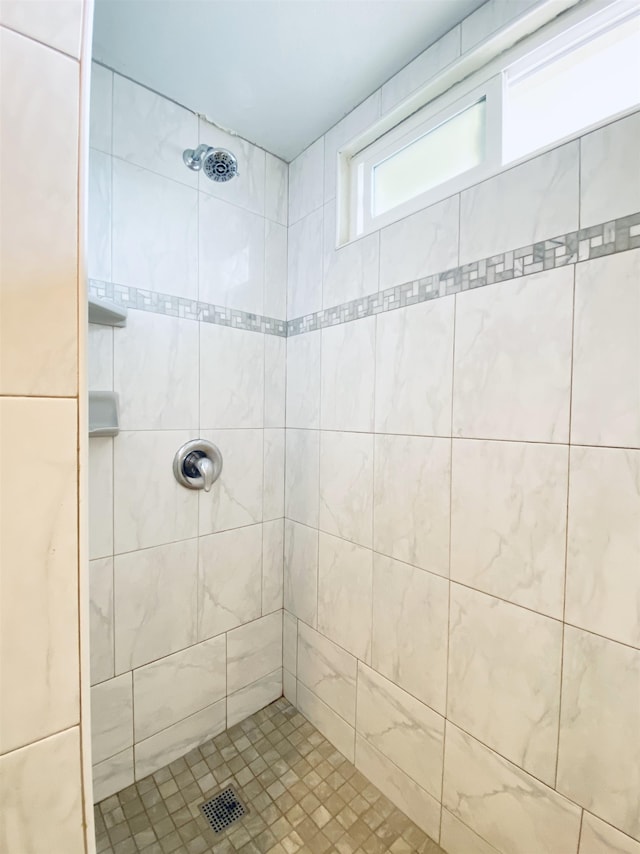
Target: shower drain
{"x": 223, "y": 810}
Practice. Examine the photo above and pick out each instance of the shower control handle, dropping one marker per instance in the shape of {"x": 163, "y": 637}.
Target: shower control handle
{"x": 197, "y": 464}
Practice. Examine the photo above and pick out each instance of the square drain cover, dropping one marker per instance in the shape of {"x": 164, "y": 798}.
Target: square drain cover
{"x": 223, "y": 810}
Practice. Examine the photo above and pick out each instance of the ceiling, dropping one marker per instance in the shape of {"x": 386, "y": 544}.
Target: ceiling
{"x": 278, "y": 72}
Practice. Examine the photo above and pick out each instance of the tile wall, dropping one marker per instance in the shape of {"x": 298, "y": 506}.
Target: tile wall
{"x": 186, "y": 587}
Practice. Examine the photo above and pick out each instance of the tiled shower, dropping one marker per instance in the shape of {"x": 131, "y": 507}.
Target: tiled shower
{"x": 425, "y": 533}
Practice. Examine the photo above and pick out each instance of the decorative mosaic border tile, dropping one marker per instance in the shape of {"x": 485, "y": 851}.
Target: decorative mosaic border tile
{"x": 583, "y": 245}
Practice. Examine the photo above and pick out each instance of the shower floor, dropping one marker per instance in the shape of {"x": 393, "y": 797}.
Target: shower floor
{"x": 302, "y": 795}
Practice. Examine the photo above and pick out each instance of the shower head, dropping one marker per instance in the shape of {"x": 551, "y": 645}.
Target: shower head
{"x": 218, "y": 164}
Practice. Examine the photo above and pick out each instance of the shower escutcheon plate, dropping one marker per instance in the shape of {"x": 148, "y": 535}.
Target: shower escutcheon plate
{"x": 197, "y": 464}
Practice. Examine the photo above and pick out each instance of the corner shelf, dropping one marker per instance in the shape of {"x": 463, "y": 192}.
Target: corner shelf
{"x": 103, "y": 413}
{"x": 106, "y": 313}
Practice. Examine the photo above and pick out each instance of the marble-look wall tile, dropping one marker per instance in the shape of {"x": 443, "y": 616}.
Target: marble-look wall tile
{"x": 155, "y": 603}
{"x": 101, "y": 108}
{"x": 350, "y": 271}
{"x": 276, "y": 189}
{"x": 152, "y": 131}
{"x": 231, "y": 377}
{"x": 100, "y": 357}
{"x": 236, "y": 497}
{"x": 599, "y": 750}
{"x": 302, "y": 476}
{"x": 99, "y": 216}
{"x": 330, "y": 724}
{"x": 254, "y": 697}
{"x": 603, "y": 549}
{"x": 150, "y": 506}
{"x": 229, "y": 580}
{"x": 178, "y": 685}
{"x": 345, "y": 582}
{"x": 275, "y": 366}
{"x": 154, "y": 232}
{"x": 38, "y": 570}
{"x": 610, "y": 172}
{"x": 112, "y": 775}
{"x": 273, "y": 500}
{"x": 303, "y": 380}
{"x": 272, "y": 566}
{"x": 414, "y": 369}
{"x": 231, "y": 255}
{"x": 354, "y": 123}
{"x": 401, "y": 790}
{"x": 509, "y": 540}
{"x": 254, "y": 651}
{"x": 247, "y": 190}
{"x": 504, "y": 678}
{"x": 301, "y": 571}
{"x": 100, "y": 497}
{"x": 101, "y": 619}
{"x": 111, "y": 717}
{"x": 39, "y": 209}
{"x": 346, "y": 486}
{"x": 605, "y": 406}
{"x": 549, "y": 183}
{"x": 304, "y": 278}
{"x": 58, "y": 25}
{"x": 457, "y": 838}
{"x": 290, "y": 687}
{"x": 600, "y": 838}
{"x": 328, "y": 671}
{"x": 155, "y": 372}
{"x": 491, "y": 16}
{"x": 172, "y": 743}
{"x": 275, "y": 270}
{"x": 290, "y": 642}
{"x": 348, "y": 376}
{"x": 507, "y": 385}
{"x": 43, "y": 776}
{"x": 402, "y": 728}
{"x": 410, "y": 613}
{"x": 503, "y": 804}
{"x": 423, "y": 243}
{"x": 411, "y": 500}
{"x": 306, "y": 181}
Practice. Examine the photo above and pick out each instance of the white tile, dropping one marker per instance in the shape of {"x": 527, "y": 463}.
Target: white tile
{"x": 345, "y": 584}
{"x": 348, "y": 371}
{"x": 100, "y": 497}
{"x": 276, "y": 189}
{"x": 610, "y": 172}
{"x": 411, "y": 612}
{"x": 39, "y": 569}
{"x": 58, "y": 25}
{"x": 504, "y": 678}
{"x": 411, "y": 500}
{"x": 45, "y": 776}
{"x": 509, "y": 540}
{"x": 155, "y": 603}
{"x": 303, "y": 380}
{"x": 273, "y": 501}
{"x": 275, "y": 361}
{"x": 306, "y": 181}
{"x": 150, "y": 506}
{"x": 301, "y": 571}
{"x": 39, "y": 209}
{"x": 100, "y": 357}
{"x": 423, "y": 243}
{"x": 247, "y": 189}
{"x": 354, "y": 123}
{"x": 491, "y": 16}
{"x": 275, "y": 270}
{"x": 603, "y": 548}
{"x": 504, "y": 805}
{"x": 254, "y": 697}
{"x": 606, "y": 355}
{"x": 506, "y": 385}
{"x": 101, "y": 108}
{"x": 99, "y": 216}
{"x": 600, "y": 838}
{"x": 154, "y": 232}
{"x": 346, "y": 486}
{"x": 290, "y": 687}
{"x": 549, "y": 183}
{"x": 414, "y": 369}
{"x": 172, "y": 743}
{"x": 254, "y": 651}
{"x": 112, "y": 775}
{"x": 302, "y": 476}
{"x": 229, "y": 580}
{"x": 289, "y": 642}
{"x": 155, "y": 372}
{"x": 330, "y": 724}
{"x": 457, "y": 838}
{"x": 111, "y": 717}
{"x": 178, "y": 685}
{"x": 231, "y": 256}
{"x": 328, "y": 671}
{"x": 402, "y": 728}
{"x": 152, "y": 131}
{"x": 231, "y": 377}
{"x": 350, "y": 271}
{"x": 408, "y": 796}
{"x": 599, "y": 751}
{"x": 272, "y": 565}
{"x": 101, "y": 619}
{"x": 304, "y": 277}
{"x": 236, "y": 497}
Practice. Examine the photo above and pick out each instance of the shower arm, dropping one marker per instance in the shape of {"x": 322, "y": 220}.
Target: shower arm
{"x": 193, "y": 157}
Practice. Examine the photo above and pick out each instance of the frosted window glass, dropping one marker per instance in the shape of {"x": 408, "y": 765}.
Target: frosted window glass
{"x": 450, "y": 149}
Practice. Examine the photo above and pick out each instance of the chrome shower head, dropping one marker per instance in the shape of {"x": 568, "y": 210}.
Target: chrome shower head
{"x": 218, "y": 164}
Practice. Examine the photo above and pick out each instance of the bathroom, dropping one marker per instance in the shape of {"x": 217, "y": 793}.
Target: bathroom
{"x": 388, "y": 599}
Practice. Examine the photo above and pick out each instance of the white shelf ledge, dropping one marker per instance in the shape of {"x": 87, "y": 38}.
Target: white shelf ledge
{"x": 106, "y": 313}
